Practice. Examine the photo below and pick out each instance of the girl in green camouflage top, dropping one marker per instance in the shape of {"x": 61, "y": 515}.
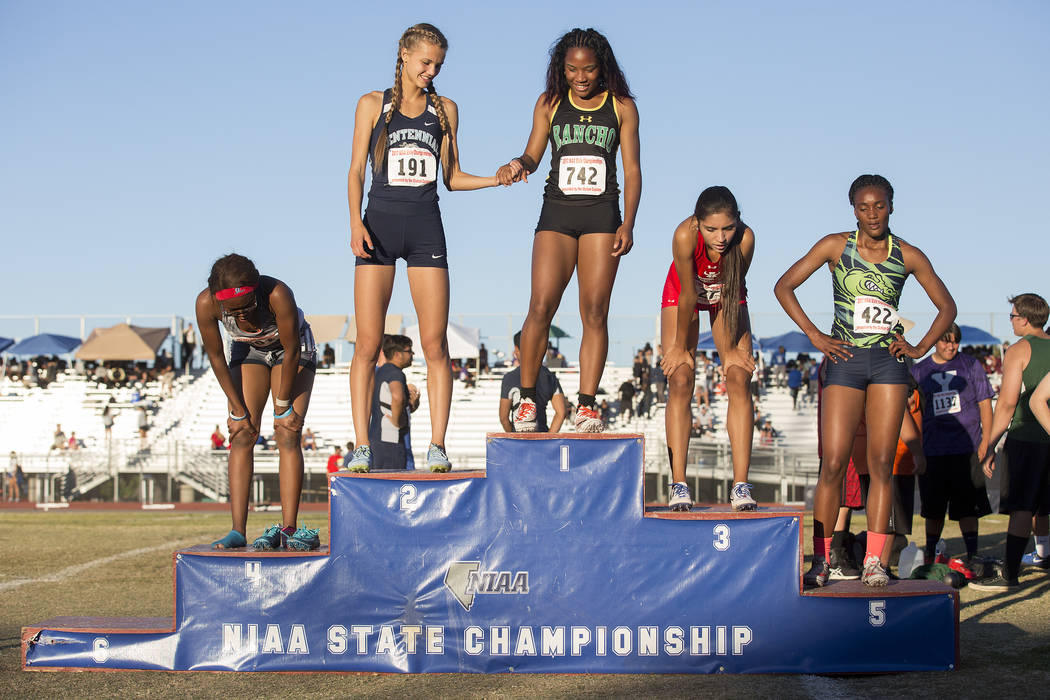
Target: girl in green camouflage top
{"x": 867, "y": 375}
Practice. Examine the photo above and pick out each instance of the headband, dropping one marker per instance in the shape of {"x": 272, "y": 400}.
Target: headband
{"x": 233, "y": 292}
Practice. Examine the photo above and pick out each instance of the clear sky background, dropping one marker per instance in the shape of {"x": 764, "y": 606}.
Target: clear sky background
{"x": 141, "y": 140}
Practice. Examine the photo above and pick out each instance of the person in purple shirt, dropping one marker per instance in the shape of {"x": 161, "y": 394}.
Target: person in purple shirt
{"x": 956, "y": 424}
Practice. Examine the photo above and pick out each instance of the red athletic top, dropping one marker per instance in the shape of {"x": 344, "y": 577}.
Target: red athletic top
{"x": 706, "y": 279}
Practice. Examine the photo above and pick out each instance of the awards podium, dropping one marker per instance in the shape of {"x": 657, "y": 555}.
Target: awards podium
{"x": 548, "y": 561}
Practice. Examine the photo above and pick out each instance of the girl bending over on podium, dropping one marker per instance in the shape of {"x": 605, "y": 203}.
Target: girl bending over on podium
{"x": 271, "y": 352}
{"x": 712, "y": 252}
{"x": 408, "y": 130}
{"x": 867, "y": 373}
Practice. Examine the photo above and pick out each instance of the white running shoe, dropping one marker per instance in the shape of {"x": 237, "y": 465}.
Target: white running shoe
{"x": 874, "y": 573}
{"x": 740, "y": 497}
{"x": 681, "y": 499}
{"x": 525, "y": 417}
{"x": 588, "y": 420}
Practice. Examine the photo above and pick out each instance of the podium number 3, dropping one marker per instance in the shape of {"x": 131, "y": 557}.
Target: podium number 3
{"x": 408, "y": 497}
{"x": 721, "y": 542}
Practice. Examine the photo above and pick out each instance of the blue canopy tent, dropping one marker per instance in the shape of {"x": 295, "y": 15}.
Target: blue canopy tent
{"x": 972, "y": 335}
{"x": 45, "y": 344}
{"x": 5, "y": 343}
{"x": 793, "y": 341}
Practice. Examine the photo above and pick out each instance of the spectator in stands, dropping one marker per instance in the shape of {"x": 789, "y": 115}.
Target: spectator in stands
{"x": 335, "y": 460}
{"x": 12, "y": 480}
{"x": 328, "y": 356}
{"x": 74, "y": 442}
{"x": 548, "y": 390}
{"x": 69, "y": 484}
{"x": 167, "y": 382}
{"x": 626, "y": 397}
{"x": 555, "y": 360}
{"x": 606, "y": 412}
{"x": 272, "y": 352}
{"x": 218, "y": 440}
{"x": 794, "y": 382}
{"x": 778, "y": 361}
{"x": 1026, "y": 491}
{"x": 956, "y": 423}
{"x": 20, "y": 482}
{"x": 189, "y": 346}
{"x": 349, "y": 454}
{"x": 308, "y": 441}
{"x": 59, "y": 443}
{"x": 143, "y": 423}
{"x": 483, "y": 359}
{"x": 392, "y": 406}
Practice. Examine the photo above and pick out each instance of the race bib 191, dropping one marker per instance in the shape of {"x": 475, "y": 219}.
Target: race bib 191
{"x": 410, "y": 166}
{"x": 581, "y": 175}
{"x": 873, "y": 315}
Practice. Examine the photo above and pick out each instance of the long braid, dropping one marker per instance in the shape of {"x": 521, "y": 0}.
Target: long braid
{"x": 379, "y": 153}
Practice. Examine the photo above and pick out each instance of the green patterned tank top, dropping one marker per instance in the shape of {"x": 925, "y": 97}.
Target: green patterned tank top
{"x": 867, "y": 295}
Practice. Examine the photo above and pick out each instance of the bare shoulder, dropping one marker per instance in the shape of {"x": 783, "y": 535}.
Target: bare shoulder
{"x": 204, "y": 305}
{"x": 686, "y": 231}
{"x": 626, "y": 105}
{"x": 448, "y": 103}
{"x": 371, "y": 100}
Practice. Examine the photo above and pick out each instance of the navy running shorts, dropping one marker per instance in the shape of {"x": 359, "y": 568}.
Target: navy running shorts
{"x": 416, "y": 237}
{"x": 575, "y": 219}
{"x": 868, "y": 366}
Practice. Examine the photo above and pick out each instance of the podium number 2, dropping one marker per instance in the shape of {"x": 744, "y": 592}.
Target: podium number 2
{"x": 877, "y": 613}
{"x": 721, "y": 542}
{"x": 408, "y": 497}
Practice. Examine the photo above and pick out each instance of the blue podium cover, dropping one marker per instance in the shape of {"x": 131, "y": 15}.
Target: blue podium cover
{"x": 546, "y": 562}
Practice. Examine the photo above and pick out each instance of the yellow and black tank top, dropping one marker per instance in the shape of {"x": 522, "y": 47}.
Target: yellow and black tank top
{"x": 867, "y": 295}
{"x": 583, "y": 152}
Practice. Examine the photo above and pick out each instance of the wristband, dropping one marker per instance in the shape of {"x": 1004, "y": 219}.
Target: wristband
{"x": 238, "y": 418}
{"x": 283, "y": 415}
{"x": 280, "y": 403}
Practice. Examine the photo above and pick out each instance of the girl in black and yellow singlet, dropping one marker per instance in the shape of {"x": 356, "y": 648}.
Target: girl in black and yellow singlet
{"x": 867, "y": 375}
{"x": 587, "y": 113}
{"x": 409, "y": 131}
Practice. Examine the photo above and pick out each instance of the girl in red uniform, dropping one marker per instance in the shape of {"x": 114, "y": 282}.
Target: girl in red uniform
{"x": 712, "y": 251}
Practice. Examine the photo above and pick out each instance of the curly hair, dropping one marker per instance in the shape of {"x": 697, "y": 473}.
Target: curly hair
{"x": 720, "y": 200}
{"x": 413, "y": 36}
{"x": 232, "y": 270}
{"x": 870, "y": 181}
{"x": 611, "y": 77}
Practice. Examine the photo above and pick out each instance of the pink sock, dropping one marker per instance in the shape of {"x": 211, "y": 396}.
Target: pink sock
{"x": 876, "y": 543}
{"x": 821, "y": 547}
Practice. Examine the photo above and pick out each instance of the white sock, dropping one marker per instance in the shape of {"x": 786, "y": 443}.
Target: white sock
{"x": 1042, "y": 545}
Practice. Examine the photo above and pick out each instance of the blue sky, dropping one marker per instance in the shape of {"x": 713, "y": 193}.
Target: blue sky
{"x": 139, "y": 141}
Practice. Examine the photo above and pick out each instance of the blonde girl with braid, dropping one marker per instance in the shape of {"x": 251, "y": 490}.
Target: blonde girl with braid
{"x": 408, "y": 131}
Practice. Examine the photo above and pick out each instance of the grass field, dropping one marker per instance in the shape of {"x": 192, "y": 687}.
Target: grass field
{"x": 70, "y": 564}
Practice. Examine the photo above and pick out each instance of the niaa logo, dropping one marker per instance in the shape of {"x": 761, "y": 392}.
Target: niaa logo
{"x": 464, "y": 579}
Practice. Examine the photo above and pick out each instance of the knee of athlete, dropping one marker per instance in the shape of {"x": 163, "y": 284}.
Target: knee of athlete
{"x": 434, "y": 349}
{"x": 367, "y": 347}
{"x": 679, "y": 384}
{"x": 243, "y": 439}
{"x": 831, "y": 470}
{"x": 594, "y": 314}
{"x": 880, "y": 466}
{"x": 738, "y": 382}
{"x": 542, "y": 309}
{"x": 287, "y": 439}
